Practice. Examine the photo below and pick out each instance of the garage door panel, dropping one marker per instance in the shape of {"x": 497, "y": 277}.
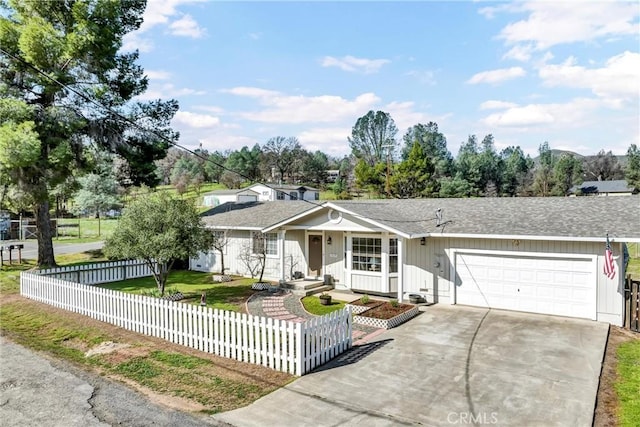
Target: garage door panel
{"x": 544, "y": 285}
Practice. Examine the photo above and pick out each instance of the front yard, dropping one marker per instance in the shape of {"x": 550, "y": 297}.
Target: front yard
{"x": 224, "y": 296}
{"x": 187, "y": 379}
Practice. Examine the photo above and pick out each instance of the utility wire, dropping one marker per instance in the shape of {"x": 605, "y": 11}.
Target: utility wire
{"x": 169, "y": 141}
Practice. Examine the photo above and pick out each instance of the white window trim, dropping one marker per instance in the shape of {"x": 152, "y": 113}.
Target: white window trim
{"x": 276, "y": 254}
{"x": 382, "y": 257}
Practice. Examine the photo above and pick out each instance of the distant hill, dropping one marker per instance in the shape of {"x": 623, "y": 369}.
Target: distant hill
{"x": 557, "y": 153}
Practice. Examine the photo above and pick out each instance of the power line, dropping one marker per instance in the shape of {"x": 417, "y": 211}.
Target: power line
{"x": 169, "y": 141}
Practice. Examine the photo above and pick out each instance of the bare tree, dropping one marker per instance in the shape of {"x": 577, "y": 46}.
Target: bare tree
{"x": 220, "y": 242}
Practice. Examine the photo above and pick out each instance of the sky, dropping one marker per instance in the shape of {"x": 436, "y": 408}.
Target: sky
{"x": 526, "y": 72}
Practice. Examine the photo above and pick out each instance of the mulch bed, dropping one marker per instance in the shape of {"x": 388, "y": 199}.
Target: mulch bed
{"x": 386, "y": 311}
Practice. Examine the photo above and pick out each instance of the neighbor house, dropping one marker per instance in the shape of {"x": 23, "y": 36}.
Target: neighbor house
{"x": 274, "y": 192}
{"x": 218, "y": 197}
{"x": 540, "y": 255}
{"x": 618, "y": 187}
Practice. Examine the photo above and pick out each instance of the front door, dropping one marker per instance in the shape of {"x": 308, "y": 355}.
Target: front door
{"x": 315, "y": 255}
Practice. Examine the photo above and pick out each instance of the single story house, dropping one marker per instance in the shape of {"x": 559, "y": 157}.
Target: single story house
{"x": 618, "y": 187}
{"x": 285, "y": 192}
{"x": 540, "y": 255}
{"x": 218, "y": 197}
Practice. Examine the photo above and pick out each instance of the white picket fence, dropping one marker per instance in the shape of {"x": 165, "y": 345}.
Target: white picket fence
{"x": 296, "y": 348}
{"x": 103, "y": 272}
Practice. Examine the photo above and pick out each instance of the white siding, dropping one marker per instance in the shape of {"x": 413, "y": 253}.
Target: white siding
{"x": 421, "y": 276}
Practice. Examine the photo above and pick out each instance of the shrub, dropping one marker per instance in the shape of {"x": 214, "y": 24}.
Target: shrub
{"x": 393, "y": 302}
{"x": 365, "y": 299}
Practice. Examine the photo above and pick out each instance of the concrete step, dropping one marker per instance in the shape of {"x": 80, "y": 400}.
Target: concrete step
{"x": 301, "y": 285}
{"x": 315, "y": 290}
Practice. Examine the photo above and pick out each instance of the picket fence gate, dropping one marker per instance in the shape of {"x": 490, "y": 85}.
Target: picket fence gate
{"x": 296, "y": 348}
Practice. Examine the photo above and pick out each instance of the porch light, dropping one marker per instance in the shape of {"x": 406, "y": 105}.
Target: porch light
{"x": 423, "y": 241}
{"x": 329, "y": 241}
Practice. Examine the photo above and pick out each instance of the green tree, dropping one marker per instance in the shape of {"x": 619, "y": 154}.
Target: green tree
{"x": 214, "y": 166}
{"x": 315, "y": 167}
{"x": 76, "y": 45}
{"x": 455, "y": 187}
{"x": 632, "y": 171}
{"x": 373, "y": 137}
{"x": 414, "y": 176}
{"x": 515, "y": 171}
{"x": 567, "y": 171}
{"x": 159, "y": 229}
{"x": 468, "y": 167}
{"x": 543, "y": 175}
{"x": 434, "y": 145}
{"x": 371, "y": 178}
{"x": 246, "y": 162}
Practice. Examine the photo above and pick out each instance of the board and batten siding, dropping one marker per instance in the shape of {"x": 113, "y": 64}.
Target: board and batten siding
{"x": 238, "y": 239}
{"x": 422, "y": 276}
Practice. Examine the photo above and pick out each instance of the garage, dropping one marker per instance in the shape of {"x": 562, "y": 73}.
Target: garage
{"x": 559, "y": 285}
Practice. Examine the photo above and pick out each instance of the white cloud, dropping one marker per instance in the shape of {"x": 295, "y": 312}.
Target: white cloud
{"x": 617, "y": 83}
{"x": 520, "y": 52}
{"x": 195, "y": 120}
{"x": 330, "y": 140}
{"x": 167, "y": 90}
{"x": 157, "y": 12}
{"x": 186, "y": 27}
{"x": 570, "y": 114}
{"x": 497, "y": 76}
{"x": 353, "y": 64}
{"x": 255, "y": 36}
{"x": 209, "y": 108}
{"x": 133, "y": 41}
{"x": 281, "y": 108}
{"x": 496, "y": 105}
{"x": 158, "y": 74}
{"x": 553, "y": 23}
{"x": 251, "y": 92}
{"x": 224, "y": 142}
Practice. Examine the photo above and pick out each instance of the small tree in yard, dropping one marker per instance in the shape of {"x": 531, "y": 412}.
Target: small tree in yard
{"x": 159, "y": 229}
{"x": 219, "y": 243}
{"x": 254, "y": 255}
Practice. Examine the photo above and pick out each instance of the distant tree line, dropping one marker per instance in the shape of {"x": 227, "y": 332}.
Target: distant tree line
{"x": 422, "y": 166}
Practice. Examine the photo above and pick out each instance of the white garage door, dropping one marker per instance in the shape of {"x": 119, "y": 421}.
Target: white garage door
{"x": 559, "y": 286}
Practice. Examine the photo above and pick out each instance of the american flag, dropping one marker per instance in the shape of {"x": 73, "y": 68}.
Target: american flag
{"x": 609, "y": 269}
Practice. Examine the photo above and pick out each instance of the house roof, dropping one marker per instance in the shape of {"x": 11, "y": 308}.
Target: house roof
{"x": 253, "y": 215}
{"x": 615, "y": 186}
{"x": 587, "y": 218}
{"x": 288, "y": 187}
{"x": 229, "y": 192}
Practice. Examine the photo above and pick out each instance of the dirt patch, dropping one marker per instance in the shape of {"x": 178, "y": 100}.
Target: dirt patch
{"x": 607, "y": 400}
{"x": 105, "y": 347}
{"x": 371, "y": 303}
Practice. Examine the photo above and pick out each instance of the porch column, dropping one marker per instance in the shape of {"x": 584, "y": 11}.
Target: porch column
{"x": 282, "y": 240}
{"x": 400, "y": 268}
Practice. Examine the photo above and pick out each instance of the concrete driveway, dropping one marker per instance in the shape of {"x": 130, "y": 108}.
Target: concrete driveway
{"x": 451, "y": 365}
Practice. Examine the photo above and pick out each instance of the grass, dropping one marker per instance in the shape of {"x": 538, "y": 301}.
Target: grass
{"x": 192, "y": 194}
{"x": 628, "y": 383}
{"x": 89, "y": 230}
{"x": 224, "y": 296}
{"x": 313, "y": 306}
{"x": 213, "y": 384}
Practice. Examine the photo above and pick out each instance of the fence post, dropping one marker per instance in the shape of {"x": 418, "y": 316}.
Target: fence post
{"x": 299, "y": 358}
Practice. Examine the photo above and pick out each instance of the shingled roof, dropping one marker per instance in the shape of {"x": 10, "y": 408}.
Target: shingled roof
{"x": 587, "y": 218}
{"x": 596, "y": 187}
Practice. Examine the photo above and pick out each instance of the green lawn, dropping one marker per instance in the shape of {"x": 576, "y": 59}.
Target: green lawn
{"x": 313, "y": 306}
{"x": 224, "y": 296}
{"x": 628, "y": 384}
{"x": 192, "y": 194}
{"x": 90, "y": 229}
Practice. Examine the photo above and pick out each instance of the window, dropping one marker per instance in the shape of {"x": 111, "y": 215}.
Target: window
{"x": 393, "y": 255}
{"x": 316, "y": 196}
{"x": 279, "y": 195}
{"x": 293, "y": 195}
{"x": 366, "y": 253}
{"x": 267, "y": 242}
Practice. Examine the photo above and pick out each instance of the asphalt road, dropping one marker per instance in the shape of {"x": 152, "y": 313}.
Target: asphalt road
{"x": 30, "y": 250}
{"x": 36, "y": 391}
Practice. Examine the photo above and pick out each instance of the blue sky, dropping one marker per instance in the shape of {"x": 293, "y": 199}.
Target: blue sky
{"x": 527, "y": 72}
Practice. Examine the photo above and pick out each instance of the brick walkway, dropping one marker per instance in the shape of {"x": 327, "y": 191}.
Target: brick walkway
{"x": 284, "y": 305}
